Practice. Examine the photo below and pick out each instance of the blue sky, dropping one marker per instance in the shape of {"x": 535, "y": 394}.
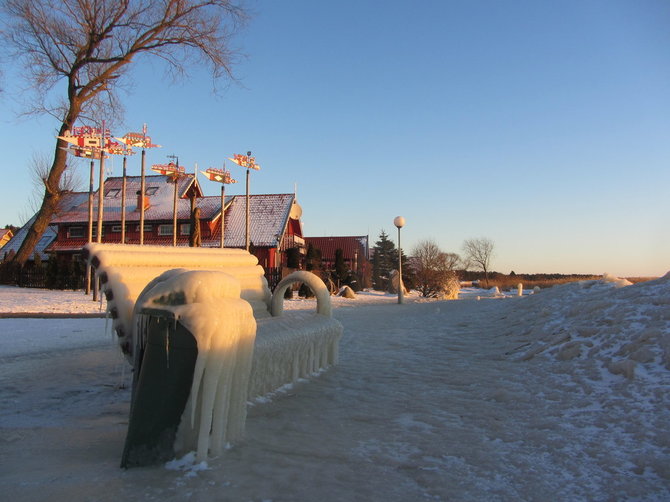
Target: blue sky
{"x": 544, "y": 126}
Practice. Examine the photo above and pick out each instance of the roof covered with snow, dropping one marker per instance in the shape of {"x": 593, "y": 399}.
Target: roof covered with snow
{"x": 269, "y": 215}
{"x": 68, "y": 200}
{"x": 158, "y": 189}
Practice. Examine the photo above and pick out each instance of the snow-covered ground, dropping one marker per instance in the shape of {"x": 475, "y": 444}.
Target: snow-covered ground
{"x": 560, "y": 395}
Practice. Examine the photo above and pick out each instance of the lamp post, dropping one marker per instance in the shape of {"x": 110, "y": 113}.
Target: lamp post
{"x": 399, "y": 222}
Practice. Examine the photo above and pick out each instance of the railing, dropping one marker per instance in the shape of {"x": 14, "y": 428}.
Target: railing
{"x": 40, "y": 277}
{"x": 273, "y": 276}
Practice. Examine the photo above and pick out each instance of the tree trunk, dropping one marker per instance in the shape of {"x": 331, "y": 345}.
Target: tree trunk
{"x": 52, "y": 196}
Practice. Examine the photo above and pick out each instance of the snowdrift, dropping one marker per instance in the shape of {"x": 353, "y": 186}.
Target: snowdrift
{"x": 624, "y": 328}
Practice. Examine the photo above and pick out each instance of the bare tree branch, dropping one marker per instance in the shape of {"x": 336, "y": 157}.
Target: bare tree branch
{"x": 89, "y": 45}
{"x": 478, "y": 252}
{"x": 433, "y": 269}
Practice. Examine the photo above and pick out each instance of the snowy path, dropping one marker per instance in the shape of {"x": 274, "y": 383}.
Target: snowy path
{"x": 425, "y": 405}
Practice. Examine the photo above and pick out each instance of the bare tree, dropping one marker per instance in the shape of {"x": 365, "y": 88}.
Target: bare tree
{"x": 478, "y": 252}
{"x": 39, "y": 169}
{"x": 85, "y": 48}
{"x": 434, "y": 269}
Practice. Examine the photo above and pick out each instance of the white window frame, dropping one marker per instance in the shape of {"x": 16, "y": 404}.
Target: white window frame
{"x": 70, "y": 235}
{"x": 165, "y": 229}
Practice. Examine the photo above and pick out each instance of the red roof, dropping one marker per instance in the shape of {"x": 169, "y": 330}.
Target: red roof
{"x": 349, "y": 246}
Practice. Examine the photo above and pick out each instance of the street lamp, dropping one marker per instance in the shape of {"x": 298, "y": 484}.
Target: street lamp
{"x": 399, "y": 222}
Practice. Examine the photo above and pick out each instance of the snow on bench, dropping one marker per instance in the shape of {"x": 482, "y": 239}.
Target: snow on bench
{"x": 246, "y": 347}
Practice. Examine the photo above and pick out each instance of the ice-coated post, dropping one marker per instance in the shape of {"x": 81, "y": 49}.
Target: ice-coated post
{"x": 399, "y": 222}
{"x": 519, "y": 289}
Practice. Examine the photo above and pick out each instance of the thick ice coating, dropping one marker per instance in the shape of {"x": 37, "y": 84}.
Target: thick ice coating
{"x": 126, "y": 270}
{"x": 208, "y": 304}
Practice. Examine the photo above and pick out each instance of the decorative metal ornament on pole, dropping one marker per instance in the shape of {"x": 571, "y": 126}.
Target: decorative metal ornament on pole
{"x": 399, "y": 222}
{"x": 114, "y": 148}
{"x": 140, "y": 140}
{"x": 101, "y": 182}
{"x": 85, "y": 143}
{"x": 221, "y": 176}
{"x": 173, "y": 171}
{"x": 123, "y": 202}
{"x": 250, "y": 163}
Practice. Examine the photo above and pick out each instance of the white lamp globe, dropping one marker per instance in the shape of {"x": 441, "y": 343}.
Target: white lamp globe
{"x": 399, "y": 221}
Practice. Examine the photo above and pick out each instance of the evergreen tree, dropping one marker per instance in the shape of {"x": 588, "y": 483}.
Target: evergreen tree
{"x": 384, "y": 259}
{"x": 293, "y": 258}
{"x": 341, "y": 271}
{"x": 52, "y": 272}
{"x": 312, "y": 264}
{"x": 313, "y": 259}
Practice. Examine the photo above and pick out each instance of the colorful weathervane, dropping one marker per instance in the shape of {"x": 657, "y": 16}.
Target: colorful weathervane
{"x": 94, "y": 143}
{"x": 250, "y": 163}
{"x": 140, "y": 140}
{"x": 173, "y": 171}
{"x": 221, "y": 176}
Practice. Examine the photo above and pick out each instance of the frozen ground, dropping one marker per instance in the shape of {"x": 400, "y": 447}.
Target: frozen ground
{"x": 560, "y": 395}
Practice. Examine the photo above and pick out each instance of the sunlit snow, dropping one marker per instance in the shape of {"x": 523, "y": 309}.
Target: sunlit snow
{"x": 559, "y": 395}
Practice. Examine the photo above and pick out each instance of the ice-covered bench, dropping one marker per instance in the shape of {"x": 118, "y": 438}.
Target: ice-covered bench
{"x": 246, "y": 347}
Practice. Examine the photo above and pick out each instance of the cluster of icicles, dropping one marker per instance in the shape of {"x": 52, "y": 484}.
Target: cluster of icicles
{"x": 208, "y": 304}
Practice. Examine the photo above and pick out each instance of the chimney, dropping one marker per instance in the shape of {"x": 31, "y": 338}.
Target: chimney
{"x": 147, "y": 202}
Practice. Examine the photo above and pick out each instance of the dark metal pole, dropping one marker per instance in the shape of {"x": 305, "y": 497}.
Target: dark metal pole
{"x": 101, "y": 192}
{"x": 140, "y": 199}
{"x": 401, "y": 293}
{"x": 223, "y": 225}
{"x": 123, "y": 203}
{"x": 248, "y": 219}
{"x": 90, "y": 225}
{"x": 174, "y": 211}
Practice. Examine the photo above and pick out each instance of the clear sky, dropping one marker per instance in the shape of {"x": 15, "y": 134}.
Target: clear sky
{"x": 542, "y": 125}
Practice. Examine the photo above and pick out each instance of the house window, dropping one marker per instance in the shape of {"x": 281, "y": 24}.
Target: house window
{"x": 147, "y": 228}
{"x": 151, "y": 190}
{"x": 75, "y": 233}
{"x": 185, "y": 229}
{"x": 164, "y": 229}
{"x": 113, "y": 193}
{"x": 117, "y": 228}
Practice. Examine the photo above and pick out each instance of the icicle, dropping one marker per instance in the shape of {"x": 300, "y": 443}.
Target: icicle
{"x": 107, "y": 328}
{"x": 167, "y": 343}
